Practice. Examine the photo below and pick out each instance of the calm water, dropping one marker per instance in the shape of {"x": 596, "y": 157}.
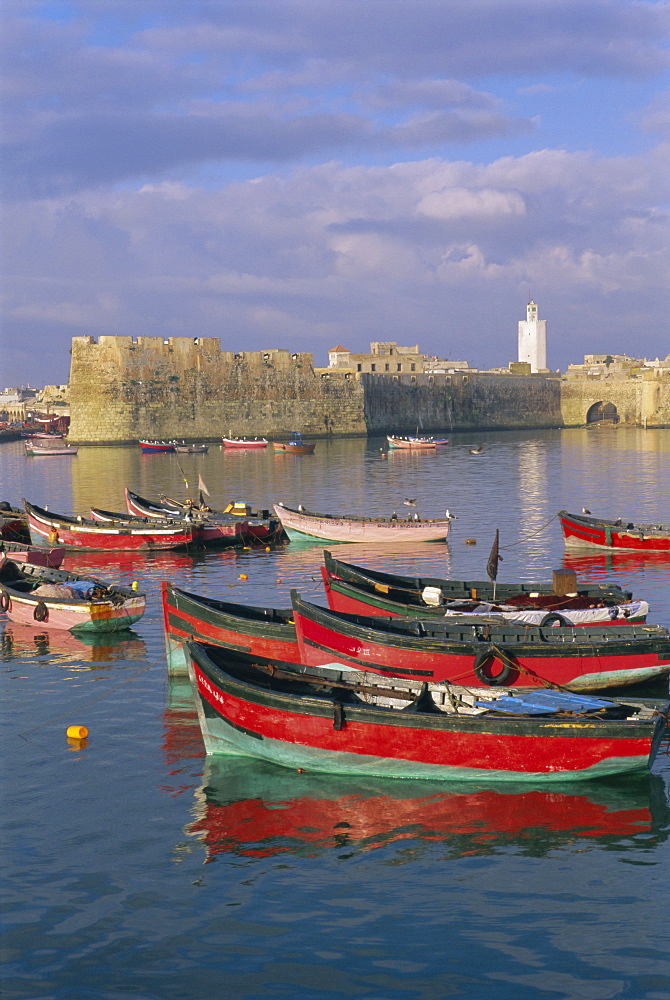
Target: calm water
{"x": 135, "y": 867}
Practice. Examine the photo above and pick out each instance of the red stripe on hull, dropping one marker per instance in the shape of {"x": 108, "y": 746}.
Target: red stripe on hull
{"x": 320, "y": 645}
{"x": 574, "y": 532}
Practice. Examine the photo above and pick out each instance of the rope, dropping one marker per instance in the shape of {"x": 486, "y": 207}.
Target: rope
{"x": 532, "y": 534}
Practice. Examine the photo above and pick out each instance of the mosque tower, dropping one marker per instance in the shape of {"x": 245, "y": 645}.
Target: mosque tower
{"x": 533, "y": 339}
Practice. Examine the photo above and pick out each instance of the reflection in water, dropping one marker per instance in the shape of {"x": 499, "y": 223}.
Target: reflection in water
{"x": 608, "y": 563}
{"x": 21, "y": 641}
{"x": 250, "y": 808}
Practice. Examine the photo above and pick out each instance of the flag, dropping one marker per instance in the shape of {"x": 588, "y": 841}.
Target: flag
{"x": 202, "y": 487}
{"x": 494, "y": 558}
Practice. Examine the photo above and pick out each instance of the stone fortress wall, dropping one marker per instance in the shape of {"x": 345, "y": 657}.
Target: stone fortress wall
{"x": 123, "y": 389}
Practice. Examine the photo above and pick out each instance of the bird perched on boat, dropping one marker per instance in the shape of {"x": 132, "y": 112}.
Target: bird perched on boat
{"x": 301, "y": 508}
{"x": 410, "y": 502}
{"x": 449, "y": 516}
{"x": 394, "y": 516}
{"x": 585, "y": 510}
{"x": 478, "y": 450}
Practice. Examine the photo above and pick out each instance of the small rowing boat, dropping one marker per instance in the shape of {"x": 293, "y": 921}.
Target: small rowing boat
{"x": 155, "y": 447}
{"x": 581, "y": 530}
{"x": 42, "y": 449}
{"x": 346, "y": 722}
{"x": 230, "y": 442}
{"x": 415, "y": 443}
{"x": 350, "y": 528}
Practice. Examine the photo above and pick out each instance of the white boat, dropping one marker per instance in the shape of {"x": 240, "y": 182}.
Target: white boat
{"x": 39, "y": 450}
{"x": 339, "y": 528}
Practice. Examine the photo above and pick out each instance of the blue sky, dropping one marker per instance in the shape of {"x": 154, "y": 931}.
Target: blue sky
{"x": 308, "y": 173}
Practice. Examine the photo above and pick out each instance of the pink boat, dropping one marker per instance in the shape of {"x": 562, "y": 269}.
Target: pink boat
{"x": 36, "y": 595}
{"x": 245, "y": 442}
{"x": 360, "y": 529}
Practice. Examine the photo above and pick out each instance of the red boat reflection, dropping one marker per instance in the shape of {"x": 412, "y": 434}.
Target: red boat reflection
{"x": 250, "y": 808}
{"x": 616, "y": 562}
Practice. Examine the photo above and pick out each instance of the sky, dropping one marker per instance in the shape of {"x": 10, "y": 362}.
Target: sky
{"x": 306, "y": 174}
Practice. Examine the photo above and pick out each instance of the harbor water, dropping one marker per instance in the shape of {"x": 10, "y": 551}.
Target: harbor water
{"x": 136, "y": 867}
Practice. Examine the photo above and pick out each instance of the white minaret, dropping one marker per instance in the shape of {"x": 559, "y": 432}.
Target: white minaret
{"x": 533, "y": 339}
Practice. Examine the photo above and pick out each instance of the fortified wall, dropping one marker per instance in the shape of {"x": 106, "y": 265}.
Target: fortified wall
{"x": 122, "y": 389}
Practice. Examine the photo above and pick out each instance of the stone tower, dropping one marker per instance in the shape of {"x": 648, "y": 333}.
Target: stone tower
{"x": 533, "y": 339}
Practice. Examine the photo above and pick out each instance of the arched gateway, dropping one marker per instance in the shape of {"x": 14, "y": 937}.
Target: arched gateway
{"x": 600, "y": 412}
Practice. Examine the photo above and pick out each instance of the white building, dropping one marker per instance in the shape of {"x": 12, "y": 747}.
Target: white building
{"x": 533, "y": 339}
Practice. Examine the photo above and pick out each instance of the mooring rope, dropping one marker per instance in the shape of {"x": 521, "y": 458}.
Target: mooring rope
{"x": 532, "y": 534}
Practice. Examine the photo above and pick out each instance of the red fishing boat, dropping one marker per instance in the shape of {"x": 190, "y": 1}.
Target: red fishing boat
{"x": 486, "y": 651}
{"x": 353, "y": 590}
{"x": 346, "y": 722}
{"x": 251, "y": 631}
{"x": 582, "y": 530}
{"x": 156, "y": 447}
{"x": 257, "y": 525}
{"x": 48, "y": 529}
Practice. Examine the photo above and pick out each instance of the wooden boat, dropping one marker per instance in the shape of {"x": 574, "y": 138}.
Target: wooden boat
{"x": 37, "y": 595}
{"x": 13, "y": 524}
{"x": 582, "y": 530}
{"x": 49, "y": 529}
{"x": 349, "y": 528}
{"x": 260, "y": 527}
{"x": 249, "y": 631}
{"x": 245, "y": 442}
{"x": 295, "y": 446}
{"x": 42, "y": 435}
{"x": 353, "y": 590}
{"x": 154, "y": 447}
{"x": 409, "y": 443}
{"x": 346, "y": 722}
{"x": 487, "y": 652}
{"x": 213, "y": 530}
{"x": 42, "y": 449}
{"x": 191, "y": 449}
{"x": 18, "y": 552}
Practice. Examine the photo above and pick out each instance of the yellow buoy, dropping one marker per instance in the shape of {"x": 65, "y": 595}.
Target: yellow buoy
{"x": 470, "y": 541}
{"x": 77, "y": 732}
{"x": 243, "y": 576}
{"x": 134, "y": 585}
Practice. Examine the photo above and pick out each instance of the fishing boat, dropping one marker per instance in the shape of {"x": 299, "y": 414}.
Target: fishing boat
{"x": 349, "y": 528}
{"x": 230, "y": 442}
{"x": 42, "y": 435}
{"x": 294, "y": 446}
{"x": 18, "y": 552}
{"x": 346, "y": 722}
{"x": 216, "y": 529}
{"x": 487, "y": 651}
{"x": 249, "y": 631}
{"x": 260, "y": 527}
{"x": 154, "y": 447}
{"x": 43, "y": 449}
{"x": 13, "y": 524}
{"x": 37, "y": 595}
{"x": 49, "y": 529}
{"x": 409, "y": 443}
{"x": 582, "y": 530}
{"x": 191, "y": 449}
{"x": 353, "y": 590}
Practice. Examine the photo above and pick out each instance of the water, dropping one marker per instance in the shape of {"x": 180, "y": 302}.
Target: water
{"x": 135, "y": 867}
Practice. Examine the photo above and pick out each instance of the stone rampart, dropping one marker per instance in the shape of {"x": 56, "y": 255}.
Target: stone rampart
{"x": 638, "y": 401}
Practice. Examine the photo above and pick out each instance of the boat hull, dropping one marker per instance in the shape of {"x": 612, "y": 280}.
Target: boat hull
{"x": 316, "y": 733}
{"x": 482, "y": 654}
{"x": 363, "y": 529}
{"x": 245, "y": 443}
{"x": 210, "y": 532}
{"x": 48, "y": 530}
{"x": 293, "y": 449}
{"x": 120, "y": 611}
{"x": 347, "y": 598}
{"x": 589, "y": 532}
{"x": 254, "y": 632}
{"x": 31, "y": 554}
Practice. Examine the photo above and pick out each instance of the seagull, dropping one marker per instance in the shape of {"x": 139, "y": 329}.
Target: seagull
{"x": 409, "y": 502}
{"x": 394, "y": 516}
{"x": 585, "y": 510}
{"x": 478, "y": 450}
{"x": 449, "y": 516}
{"x": 301, "y": 508}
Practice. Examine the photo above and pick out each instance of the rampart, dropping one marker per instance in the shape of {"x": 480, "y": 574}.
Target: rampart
{"x": 123, "y": 389}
